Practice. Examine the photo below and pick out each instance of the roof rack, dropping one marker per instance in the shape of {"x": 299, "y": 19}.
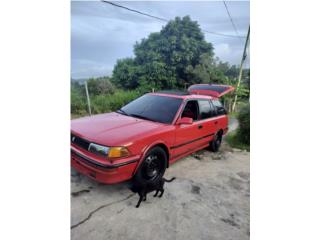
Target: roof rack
{"x": 175, "y": 92}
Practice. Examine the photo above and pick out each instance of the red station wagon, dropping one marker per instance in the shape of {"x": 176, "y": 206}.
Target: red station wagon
{"x": 143, "y": 138}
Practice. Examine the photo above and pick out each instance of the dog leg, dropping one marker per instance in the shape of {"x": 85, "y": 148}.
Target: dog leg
{"x": 156, "y": 193}
{"x": 162, "y": 191}
{"x": 140, "y": 199}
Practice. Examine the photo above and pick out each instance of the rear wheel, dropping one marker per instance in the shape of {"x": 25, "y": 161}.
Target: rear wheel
{"x": 216, "y": 142}
{"x": 153, "y": 166}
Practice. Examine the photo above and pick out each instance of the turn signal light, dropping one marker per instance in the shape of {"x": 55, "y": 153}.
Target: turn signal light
{"x": 116, "y": 152}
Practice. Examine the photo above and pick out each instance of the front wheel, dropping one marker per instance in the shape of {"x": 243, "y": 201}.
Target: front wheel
{"x": 216, "y": 143}
{"x": 153, "y": 166}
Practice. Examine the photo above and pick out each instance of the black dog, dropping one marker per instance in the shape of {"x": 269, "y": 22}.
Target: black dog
{"x": 144, "y": 189}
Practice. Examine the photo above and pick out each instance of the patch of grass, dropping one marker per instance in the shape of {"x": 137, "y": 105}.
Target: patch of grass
{"x": 79, "y": 115}
{"x": 233, "y": 114}
{"x": 234, "y": 141}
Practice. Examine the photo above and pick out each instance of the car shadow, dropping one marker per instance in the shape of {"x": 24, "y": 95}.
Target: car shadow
{"x": 81, "y": 184}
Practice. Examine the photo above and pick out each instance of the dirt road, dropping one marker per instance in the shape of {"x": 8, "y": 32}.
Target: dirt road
{"x": 208, "y": 200}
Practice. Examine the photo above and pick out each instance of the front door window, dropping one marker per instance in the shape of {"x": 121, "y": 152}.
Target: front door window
{"x": 191, "y": 110}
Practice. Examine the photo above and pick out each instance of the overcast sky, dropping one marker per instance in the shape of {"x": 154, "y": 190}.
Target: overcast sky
{"x": 102, "y": 33}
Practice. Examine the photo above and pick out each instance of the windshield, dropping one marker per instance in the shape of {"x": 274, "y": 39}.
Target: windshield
{"x": 153, "y": 107}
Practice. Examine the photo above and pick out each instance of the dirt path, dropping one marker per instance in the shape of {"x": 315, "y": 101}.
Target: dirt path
{"x": 233, "y": 124}
{"x": 208, "y": 200}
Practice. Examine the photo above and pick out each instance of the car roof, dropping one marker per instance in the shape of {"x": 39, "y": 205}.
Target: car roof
{"x": 181, "y": 94}
{"x": 199, "y": 91}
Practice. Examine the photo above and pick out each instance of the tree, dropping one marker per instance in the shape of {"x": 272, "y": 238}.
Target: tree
{"x": 173, "y": 57}
{"x": 102, "y": 85}
{"x": 125, "y": 74}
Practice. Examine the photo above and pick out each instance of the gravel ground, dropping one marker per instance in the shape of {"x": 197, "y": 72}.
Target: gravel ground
{"x": 210, "y": 199}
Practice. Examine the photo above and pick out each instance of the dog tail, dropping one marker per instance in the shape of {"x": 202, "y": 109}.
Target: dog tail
{"x": 169, "y": 180}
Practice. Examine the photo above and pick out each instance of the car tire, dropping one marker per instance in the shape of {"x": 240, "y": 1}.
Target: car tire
{"x": 153, "y": 166}
{"x": 216, "y": 143}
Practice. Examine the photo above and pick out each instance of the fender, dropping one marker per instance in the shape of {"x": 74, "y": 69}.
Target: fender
{"x": 146, "y": 149}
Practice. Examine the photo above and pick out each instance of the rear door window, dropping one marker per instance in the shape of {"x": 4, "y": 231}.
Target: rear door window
{"x": 214, "y": 110}
{"x": 205, "y": 109}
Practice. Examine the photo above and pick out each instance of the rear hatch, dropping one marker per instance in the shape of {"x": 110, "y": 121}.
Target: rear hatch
{"x": 214, "y": 90}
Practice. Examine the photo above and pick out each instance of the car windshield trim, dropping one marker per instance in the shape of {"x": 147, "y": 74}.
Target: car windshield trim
{"x": 122, "y": 112}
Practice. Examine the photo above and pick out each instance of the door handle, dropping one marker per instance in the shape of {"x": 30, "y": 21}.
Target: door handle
{"x": 200, "y": 126}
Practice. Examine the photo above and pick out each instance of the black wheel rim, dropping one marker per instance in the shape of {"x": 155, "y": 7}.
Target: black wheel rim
{"x": 152, "y": 167}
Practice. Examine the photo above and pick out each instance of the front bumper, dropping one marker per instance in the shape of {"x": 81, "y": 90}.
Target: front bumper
{"x": 104, "y": 173}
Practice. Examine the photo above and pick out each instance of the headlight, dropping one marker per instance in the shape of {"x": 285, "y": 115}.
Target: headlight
{"x": 98, "y": 149}
{"x": 115, "y": 152}
{"x": 110, "y": 152}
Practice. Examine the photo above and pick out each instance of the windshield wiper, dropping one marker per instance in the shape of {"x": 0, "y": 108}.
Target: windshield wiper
{"x": 122, "y": 112}
{"x": 142, "y": 117}
{"x": 134, "y": 115}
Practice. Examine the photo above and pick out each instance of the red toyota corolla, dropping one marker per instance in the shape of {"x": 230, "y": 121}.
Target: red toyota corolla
{"x": 143, "y": 138}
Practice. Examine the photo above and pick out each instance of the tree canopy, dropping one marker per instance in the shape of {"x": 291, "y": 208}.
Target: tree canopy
{"x": 176, "y": 56}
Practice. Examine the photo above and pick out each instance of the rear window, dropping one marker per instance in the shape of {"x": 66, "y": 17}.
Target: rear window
{"x": 217, "y": 103}
{"x": 219, "y": 109}
{"x": 153, "y": 107}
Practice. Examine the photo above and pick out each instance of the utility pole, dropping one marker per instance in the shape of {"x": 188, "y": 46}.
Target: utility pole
{"x": 88, "y": 98}
{"x": 244, "y": 55}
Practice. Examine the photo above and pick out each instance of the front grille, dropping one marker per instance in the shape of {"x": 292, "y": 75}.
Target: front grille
{"x": 80, "y": 142}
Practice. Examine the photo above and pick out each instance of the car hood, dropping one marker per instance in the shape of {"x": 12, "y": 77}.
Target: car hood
{"x": 112, "y": 129}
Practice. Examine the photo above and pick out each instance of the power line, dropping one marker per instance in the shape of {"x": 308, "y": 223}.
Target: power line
{"x": 222, "y": 34}
{"x": 165, "y": 20}
{"x": 231, "y": 20}
{"x": 136, "y": 11}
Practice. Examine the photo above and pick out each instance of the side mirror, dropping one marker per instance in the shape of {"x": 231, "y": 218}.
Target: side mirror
{"x": 185, "y": 120}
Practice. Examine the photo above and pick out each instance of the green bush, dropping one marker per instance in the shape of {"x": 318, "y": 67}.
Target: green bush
{"x": 78, "y": 102}
{"x": 240, "y": 138}
{"x": 244, "y": 125}
{"x": 109, "y": 103}
{"x": 103, "y": 97}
